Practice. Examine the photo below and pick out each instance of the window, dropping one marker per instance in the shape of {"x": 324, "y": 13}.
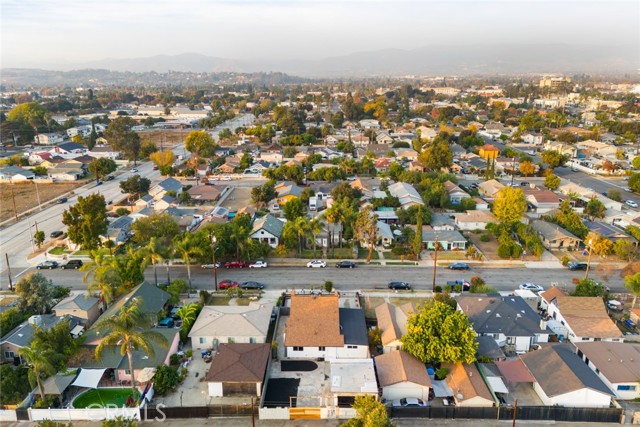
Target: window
{"x": 321, "y": 348}
{"x": 231, "y": 340}
{"x": 352, "y": 346}
{"x": 127, "y": 372}
{"x": 252, "y": 340}
{"x": 9, "y": 355}
{"x": 298, "y": 348}
{"x": 203, "y": 340}
{"x": 626, "y": 388}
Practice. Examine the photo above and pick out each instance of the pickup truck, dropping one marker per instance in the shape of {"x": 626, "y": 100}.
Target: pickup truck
{"x": 462, "y": 284}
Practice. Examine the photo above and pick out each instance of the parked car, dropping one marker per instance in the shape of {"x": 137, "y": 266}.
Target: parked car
{"x": 235, "y": 264}
{"x": 408, "y": 402}
{"x": 226, "y": 284}
{"x": 459, "y": 266}
{"x": 210, "y": 266}
{"x": 345, "y": 264}
{"x": 531, "y": 287}
{"x": 399, "y": 285}
{"x": 614, "y": 305}
{"x": 110, "y": 178}
{"x": 47, "y": 264}
{"x": 318, "y": 263}
{"x": 225, "y": 178}
{"x": 573, "y": 266}
{"x": 62, "y": 200}
{"x": 98, "y": 183}
{"x": 629, "y": 324}
{"x": 631, "y": 203}
{"x": 525, "y": 184}
{"x": 134, "y": 170}
{"x": 155, "y": 167}
{"x": 167, "y": 322}
{"x": 464, "y": 285}
{"x": 251, "y": 285}
{"x": 74, "y": 264}
{"x": 56, "y": 234}
{"x": 258, "y": 264}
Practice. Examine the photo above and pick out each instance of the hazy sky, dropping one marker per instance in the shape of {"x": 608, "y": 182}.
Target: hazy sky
{"x": 51, "y": 33}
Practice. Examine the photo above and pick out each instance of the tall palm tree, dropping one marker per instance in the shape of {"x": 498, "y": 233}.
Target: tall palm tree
{"x": 239, "y": 236}
{"x": 153, "y": 255}
{"x": 40, "y": 364}
{"x": 301, "y": 225}
{"x": 315, "y": 227}
{"x": 131, "y": 330}
{"x": 188, "y": 314}
{"x": 333, "y": 217}
{"x": 103, "y": 277}
{"x": 187, "y": 246}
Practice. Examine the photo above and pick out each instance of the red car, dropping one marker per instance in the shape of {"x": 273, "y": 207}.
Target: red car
{"x": 235, "y": 264}
{"x": 226, "y": 284}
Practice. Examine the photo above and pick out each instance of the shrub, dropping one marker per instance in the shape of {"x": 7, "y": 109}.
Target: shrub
{"x": 442, "y": 373}
{"x": 122, "y": 211}
{"x": 484, "y": 238}
{"x": 504, "y": 251}
{"x": 166, "y": 378}
{"x": 438, "y": 289}
{"x": 174, "y": 360}
{"x": 328, "y": 285}
{"x": 477, "y": 281}
{"x": 375, "y": 337}
{"x": 120, "y": 422}
{"x": 565, "y": 260}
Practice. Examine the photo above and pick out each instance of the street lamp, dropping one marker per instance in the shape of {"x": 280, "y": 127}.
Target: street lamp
{"x": 586, "y": 273}
{"x": 215, "y": 267}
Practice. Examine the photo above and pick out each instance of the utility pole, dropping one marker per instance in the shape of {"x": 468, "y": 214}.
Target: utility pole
{"x": 38, "y": 195}
{"x": 13, "y": 198}
{"x": 515, "y": 409}
{"x": 513, "y": 169}
{"x": 9, "y": 271}
{"x": 215, "y": 268}
{"x": 586, "y": 273}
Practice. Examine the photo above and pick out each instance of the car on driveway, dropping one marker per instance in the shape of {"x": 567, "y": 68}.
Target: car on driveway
{"x": 345, "y": 264}
{"x": 399, "y": 285}
{"x": 210, "y": 266}
{"x": 631, "y": 203}
{"x": 251, "y": 285}
{"x": 531, "y": 287}
{"x": 235, "y": 264}
{"x": 573, "y": 266}
{"x": 409, "y": 402}
{"x": 258, "y": 264}
{"x": 226, "y": 284}
{"x": 47, "y": 264}
{"x": 317, "y": 263}
{"x": 459, "y": 266}
{"x": 56, "y": 234}
{"x": 74, "y": 264}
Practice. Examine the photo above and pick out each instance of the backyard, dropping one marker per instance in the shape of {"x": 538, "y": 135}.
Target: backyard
{"x": 98, "y": 397}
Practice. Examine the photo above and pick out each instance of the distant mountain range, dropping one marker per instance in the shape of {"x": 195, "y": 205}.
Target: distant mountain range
{"x": 429, "y": 60}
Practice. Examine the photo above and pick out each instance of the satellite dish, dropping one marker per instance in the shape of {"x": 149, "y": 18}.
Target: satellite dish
{"x": 459, "y": 396}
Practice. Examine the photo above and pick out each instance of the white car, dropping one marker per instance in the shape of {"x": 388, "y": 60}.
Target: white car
{"x": 318, "y": 263}
{"x": 225, "y": 178}
{"x": 408, "y": 402}
{"x": 631, "y": 203}
{"x": 531, "y": 287}
{"x": 258, "y": 264}
{"x": 209, "y": 266}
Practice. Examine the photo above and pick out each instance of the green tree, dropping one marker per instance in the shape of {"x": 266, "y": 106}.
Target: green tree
{"x": 553, "y": 158}
{"x": 14, "y": 384}
{"x": 509, "y": 205}
{"x": 366, "y": 229}
{"x": 38, "y": 238}
{"x": 135, "y": 186}
{"x": 123, "y": 139}
{"x": 187, "y": 246}
{"x": 103, "y": 277}
{"x": 632, "y": 283}
{"x": 39, "y": 362}
{"x": 293, "y": 209}
{"x": 263, "y": 194}
{"x": 35, "y": 294}
{"x": 154, "y": 253}
{"x": 102, "y": 167}
{"x": 56, "y": 340}
{"x": 417, "y": 242}
{"x": 188, "y": 313}
{"x": 588, "y": 288}
{"x": 131, "y": 330}
{"x": 315, "y": 228}
{"x": 165, "y": 379}
{"x": 552, "y": 182}
{"x": 636, "y": 162}
{"x": 595, "y": 208}
{"x": 634, "y": 182}
{"x": 200, "y": 143}
{"x": 370, "y": 412}
{"x": 439, "y": 333}
{"x": 163, "y": 227}
{"x": 86, "y": 221}
{"x": 11, "y": 318}
{"x": 301, "y": 225}
{"x": 436, "y": 155}
{"x": 527, "y": 168}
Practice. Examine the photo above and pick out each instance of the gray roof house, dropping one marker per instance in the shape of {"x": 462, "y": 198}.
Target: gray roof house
{"x": 609, "y": 231}
{"x": 86, "y": 308}
{"x": 169, "y": 184}
{"x": 118, "y": 231}
{"x": 16, "y": 173}
{"x": 509, "y": 320}
{"x": 562, "y": 378}
{"x": 448, "y": 239}
{"x": 555, "y": 237}
{"x": 267, "y": 229}
{"x": 407, "y": 195}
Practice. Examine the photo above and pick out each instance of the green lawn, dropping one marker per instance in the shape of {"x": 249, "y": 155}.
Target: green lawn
{"x": 335, "y": 253}
{"x": 363, "y": 253}
{"x": 96, "y": 398}
{"x": 59, "y": 250}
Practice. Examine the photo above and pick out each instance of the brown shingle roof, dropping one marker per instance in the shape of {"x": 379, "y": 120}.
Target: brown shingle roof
{"x": 551, "y": 293}
{"x": 398, "y": 366}
{"x": 392, "y": 320}
{"x": 618, "y": 362}
{"x": 465, "y": 380}
{"x": 314, "y": 321}
{"x": 239, "y": 363}
{"x": 587, "y": 317}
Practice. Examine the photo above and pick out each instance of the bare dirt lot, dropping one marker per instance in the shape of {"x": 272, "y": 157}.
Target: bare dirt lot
{"x": 164, "y": 138}
{"x": 26, "y": 197}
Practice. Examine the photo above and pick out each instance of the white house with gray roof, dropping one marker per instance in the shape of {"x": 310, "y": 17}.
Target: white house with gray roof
{"x": 407, "y": 195}
{"x": 267, "y": 229}
{"x": 170, "y": 184}
{"x": 86, "y": 308}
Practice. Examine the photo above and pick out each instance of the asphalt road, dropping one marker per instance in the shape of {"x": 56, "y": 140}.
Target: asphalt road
{"x": 362, "y": 277}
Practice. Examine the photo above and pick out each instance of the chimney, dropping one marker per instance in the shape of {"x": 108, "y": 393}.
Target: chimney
{"x": 543, "y": 325}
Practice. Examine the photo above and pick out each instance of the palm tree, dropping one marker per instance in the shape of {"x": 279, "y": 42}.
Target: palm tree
{"x": 367, "y": 229}
{"x": 632, "y": 283}
{"x": 239, "y": 236}
{"x": 153, "y": 254}
{"x": 131, "y": 330}
{"x": 188, "y": 314}
{"x": 104, "y": 276}
{"x": 315, "y": 227}
{"x": 301, "y": 226}
{"x": 187, "y": 246}
{"x": 40, "y": 364}
{"x": 332, "y": 217}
